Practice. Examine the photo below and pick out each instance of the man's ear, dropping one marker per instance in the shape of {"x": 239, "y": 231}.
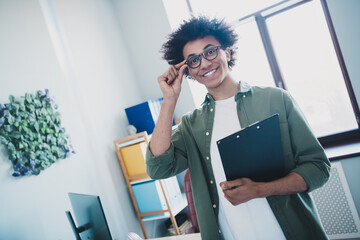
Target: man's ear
{"x": 228, "y": 54}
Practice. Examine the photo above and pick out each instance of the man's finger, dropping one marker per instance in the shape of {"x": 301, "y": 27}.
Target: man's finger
{"x": 162, "y": 78}
{"x": 230, "y": 184}
{"x": 179, "y": 65}
{"x": 174, "y": 71}
{"x": 172, "y": 74}
{"x": 182, "y": 70}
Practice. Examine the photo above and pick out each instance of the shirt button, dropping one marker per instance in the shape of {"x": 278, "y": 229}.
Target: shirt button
{"x": 214, "y": 206}
{"x": 207, "y": 158}
{"x": 211, "y": 181}
{"x": 244, "y": 96}
{"x": 207, "y": 133}
{"x": 211, "y": 109}
{"x": 208, "y": 96}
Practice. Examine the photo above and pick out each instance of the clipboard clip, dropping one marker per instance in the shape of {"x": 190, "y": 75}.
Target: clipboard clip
{"x": 258, "y": 127}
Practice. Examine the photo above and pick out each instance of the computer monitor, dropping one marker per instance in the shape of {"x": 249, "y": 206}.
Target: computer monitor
{"x": 90, "y": 218}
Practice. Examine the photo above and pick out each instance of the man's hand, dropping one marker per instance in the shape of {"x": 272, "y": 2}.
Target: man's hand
{"x": 241, "y": 190}
{"x": 170, "y": 84}
{"x": 244, "y": 189}
{"x": 170, "y": 81}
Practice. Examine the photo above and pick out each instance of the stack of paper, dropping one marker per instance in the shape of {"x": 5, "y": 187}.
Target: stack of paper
{"x": 182, "y": 222}
{"x": 173, "y": 192}
{"x": 182, "y": 228}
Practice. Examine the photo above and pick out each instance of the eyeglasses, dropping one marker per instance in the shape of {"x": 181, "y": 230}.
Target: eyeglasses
{"x": 209, "y": 54}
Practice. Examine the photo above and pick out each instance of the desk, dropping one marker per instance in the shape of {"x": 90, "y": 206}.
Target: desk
{"x": 193, "y": 236}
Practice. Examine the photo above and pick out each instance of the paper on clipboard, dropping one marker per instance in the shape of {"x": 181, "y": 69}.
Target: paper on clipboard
{"x": 254, "y": 152}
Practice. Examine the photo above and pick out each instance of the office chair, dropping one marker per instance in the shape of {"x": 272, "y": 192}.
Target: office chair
{"x": 191, "y": 207}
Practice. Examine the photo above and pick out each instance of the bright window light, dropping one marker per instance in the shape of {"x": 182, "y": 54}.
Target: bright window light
{"x": 229, "y": 9}
{"x": 177, "y": 12}
{"x": 251, "y": 63}
{"x": 310, "y": 68}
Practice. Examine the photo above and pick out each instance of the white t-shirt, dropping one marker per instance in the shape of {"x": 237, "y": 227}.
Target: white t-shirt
{"x": 253, "y": 220}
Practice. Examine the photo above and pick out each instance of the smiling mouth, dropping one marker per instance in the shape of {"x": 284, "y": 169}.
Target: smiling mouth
{"x": 210, "y": 73}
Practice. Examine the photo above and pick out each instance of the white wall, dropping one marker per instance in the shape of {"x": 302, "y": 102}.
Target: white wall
{"x": 145, "y": 27}
{"x": 92, "y": 89}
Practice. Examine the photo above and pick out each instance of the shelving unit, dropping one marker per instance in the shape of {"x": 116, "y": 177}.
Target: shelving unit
{"x": 131, "y": 154}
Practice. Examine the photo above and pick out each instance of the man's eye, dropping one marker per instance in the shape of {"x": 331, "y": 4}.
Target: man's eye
{"x": 210, "y": 52}
{"x": 193, "y": 60}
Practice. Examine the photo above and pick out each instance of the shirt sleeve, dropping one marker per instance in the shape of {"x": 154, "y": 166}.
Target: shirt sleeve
{"x": 170, "y": 163}
{"x": 311, "y": 161}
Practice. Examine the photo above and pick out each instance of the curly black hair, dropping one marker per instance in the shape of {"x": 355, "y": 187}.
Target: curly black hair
{"x": 195, "y": 28}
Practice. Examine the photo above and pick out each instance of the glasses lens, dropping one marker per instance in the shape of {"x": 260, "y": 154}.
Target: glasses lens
{"x": 211, "y": 53}
{"x": 194, "y": 62}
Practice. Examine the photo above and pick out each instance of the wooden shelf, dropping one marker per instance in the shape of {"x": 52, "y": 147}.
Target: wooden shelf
{"x": 140, "y": 181}
{"x": 175, "y": 210}
{"x": 140, "y": 178}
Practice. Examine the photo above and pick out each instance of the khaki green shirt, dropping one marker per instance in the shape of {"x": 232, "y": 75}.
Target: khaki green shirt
{"x": 303, "y": 154}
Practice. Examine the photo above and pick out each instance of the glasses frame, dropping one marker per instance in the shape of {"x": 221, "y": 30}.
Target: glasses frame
{"x": 203, "y": 54}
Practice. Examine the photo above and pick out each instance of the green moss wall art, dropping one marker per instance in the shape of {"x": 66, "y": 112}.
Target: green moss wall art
{"x": 31, "y": 131}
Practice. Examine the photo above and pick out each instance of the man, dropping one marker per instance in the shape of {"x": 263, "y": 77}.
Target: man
{"x": 241, "y": 209}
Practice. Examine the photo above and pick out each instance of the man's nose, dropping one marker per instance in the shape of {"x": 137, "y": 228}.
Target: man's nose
{"x": 205, "y": 63}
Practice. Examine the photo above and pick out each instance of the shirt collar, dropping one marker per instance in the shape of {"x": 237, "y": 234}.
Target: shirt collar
{"x": 244, "y": 88}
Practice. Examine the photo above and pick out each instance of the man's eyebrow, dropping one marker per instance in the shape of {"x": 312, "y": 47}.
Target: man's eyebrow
{"x": 193, "y": 54}
{"x": 209, "y": 45}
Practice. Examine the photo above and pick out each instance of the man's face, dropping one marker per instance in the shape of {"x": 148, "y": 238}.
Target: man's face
{"x": 211, "y": 73}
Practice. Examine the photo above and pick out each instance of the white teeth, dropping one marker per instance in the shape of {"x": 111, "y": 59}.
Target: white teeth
{"x": 209, "y": 73}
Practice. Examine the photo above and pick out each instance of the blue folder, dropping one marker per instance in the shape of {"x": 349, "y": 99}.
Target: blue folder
{"x": 144, "y": 115}
{"x": 254, "y": 152}
{"x": 149, "y": 197}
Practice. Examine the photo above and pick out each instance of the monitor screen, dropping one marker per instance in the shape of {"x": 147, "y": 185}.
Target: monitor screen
{"x": 89, "y": 217}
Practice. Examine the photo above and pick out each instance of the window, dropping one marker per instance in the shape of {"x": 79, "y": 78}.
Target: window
{"x": 310, "y": 68}
{"x": 288, "y": 44}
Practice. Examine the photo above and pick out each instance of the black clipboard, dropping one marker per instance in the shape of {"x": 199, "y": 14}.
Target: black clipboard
{"x": 254, "y": 152}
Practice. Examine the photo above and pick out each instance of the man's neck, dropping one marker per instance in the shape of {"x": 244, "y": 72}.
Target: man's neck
{"x": 228, "y": 88}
